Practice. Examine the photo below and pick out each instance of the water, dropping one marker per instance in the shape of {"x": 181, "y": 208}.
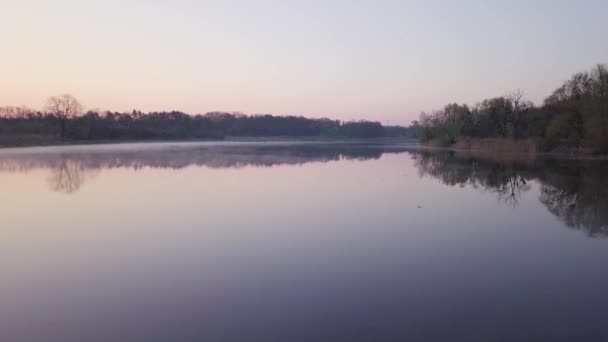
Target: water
{"x": 299, "y": 242}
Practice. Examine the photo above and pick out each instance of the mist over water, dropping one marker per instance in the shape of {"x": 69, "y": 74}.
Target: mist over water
{"x": 306, "y": 241}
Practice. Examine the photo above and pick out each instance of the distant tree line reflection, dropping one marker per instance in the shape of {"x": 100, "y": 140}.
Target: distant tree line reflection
{"x": 576, "y": 191}
{"x": 71, "y": 167}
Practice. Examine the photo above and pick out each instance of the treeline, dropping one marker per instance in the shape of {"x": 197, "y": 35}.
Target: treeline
{"x": 63, "y": 118}
{"x": 574, "y": 116}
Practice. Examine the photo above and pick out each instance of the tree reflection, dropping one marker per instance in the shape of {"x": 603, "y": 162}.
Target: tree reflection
{"x": 503, "y": 179}
{"x": 578, "y": 195}
{"x": 71, "y": 167}
{"x": 510, "y": 188}
{"x": 68, "y": 177}
{"x": 574, "y": 191}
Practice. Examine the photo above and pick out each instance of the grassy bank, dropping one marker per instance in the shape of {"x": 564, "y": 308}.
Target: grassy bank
{"x": 498, "y": 146}
{"x": 511, "y": 149}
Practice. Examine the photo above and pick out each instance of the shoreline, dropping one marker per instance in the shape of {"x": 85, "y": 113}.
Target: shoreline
{"x": 479, "y": 151}
{"x": 505, "y": 149}
{"x": 278, "y": 139}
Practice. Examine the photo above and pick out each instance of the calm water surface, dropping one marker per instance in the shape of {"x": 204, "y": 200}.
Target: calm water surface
{"x": 299, "y": 242}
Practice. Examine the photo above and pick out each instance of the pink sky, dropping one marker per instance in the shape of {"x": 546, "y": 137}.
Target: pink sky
{"x": 384, "y": 61}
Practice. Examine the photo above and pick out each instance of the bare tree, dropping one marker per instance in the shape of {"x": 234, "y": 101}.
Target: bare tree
{"x": 520, "y": 106}
{"x": 63, "y": 107}
{"x": 518, "y": 100}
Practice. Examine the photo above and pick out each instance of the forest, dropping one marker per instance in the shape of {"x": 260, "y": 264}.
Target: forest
{"x": 573, "y": 117}
{"x": 63, "y": 120}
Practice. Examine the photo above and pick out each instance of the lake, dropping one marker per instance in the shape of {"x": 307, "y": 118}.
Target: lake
{"x": 300, "y": 242}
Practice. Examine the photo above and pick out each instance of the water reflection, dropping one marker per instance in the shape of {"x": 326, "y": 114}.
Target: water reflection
{"x": 350, "y": 245}
{"x": 576, "y": 191}
{"x": 578, "y": 194}
{"x": 504, "y": 179}
{"x": 68, "y": 176}
{"x": 71, "y": 167}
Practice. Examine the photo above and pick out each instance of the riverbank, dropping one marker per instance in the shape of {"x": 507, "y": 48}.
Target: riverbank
{"x": 512, "y": 149}
{"x": 498, "y": 146}
{"x": 15, "y": 141}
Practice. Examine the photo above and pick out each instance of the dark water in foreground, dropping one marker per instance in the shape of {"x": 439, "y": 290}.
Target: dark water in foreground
{"x": 305, "y": 242}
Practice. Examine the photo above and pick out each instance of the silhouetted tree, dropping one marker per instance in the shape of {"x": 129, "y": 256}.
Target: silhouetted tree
{"x": 63, "y": 107}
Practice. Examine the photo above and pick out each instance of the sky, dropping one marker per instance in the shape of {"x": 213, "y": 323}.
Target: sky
{"x": 380, "y": 60}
